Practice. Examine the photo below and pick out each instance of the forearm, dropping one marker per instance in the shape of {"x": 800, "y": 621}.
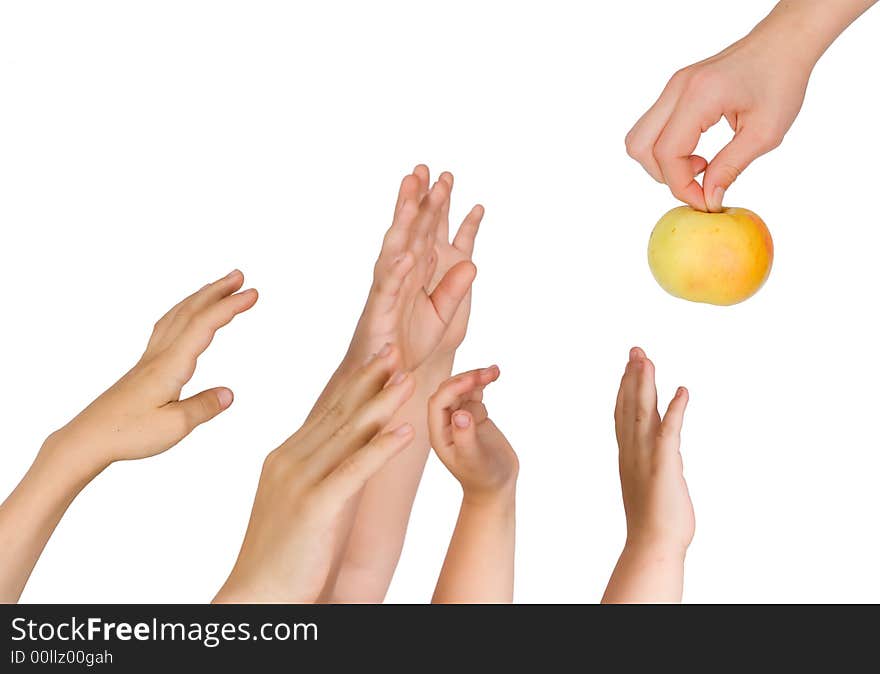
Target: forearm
{"x": 808, "y": 27}
{"x": 646, "y": 575}
{"x": 382, "y": 515}
{"x": 479, "y": 563}
{"x": 32, "y": 511}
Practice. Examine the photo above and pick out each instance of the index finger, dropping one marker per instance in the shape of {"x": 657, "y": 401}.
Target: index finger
{"x": 448, "y": 395}
{"x": 674, "y": 150}
{"x": 199, "y": 332}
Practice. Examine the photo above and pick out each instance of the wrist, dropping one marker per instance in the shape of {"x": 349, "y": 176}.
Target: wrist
{"x": 436, "y": 369}
{"x": 236, "y": 591}
{"x": 499, "y": 501}
{"x": 805, "y": 29}
{"x": 67, "y": 460}
{"x": 657, "y": 551}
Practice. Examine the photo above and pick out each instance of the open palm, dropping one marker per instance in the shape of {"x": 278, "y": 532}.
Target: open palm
{"x": 420, "y": 283}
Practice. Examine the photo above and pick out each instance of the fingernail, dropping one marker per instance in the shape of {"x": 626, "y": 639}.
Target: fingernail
{"x": 461, "y": 420}
{"x": 232, "y": 273}
{"x": 633, "y": 354}
{"x": 717, "y": 198}
{"x": 397, "y": 379}
{"x": 385, "y": 350}
{"x": 492, "y": 369}
{"x": 680, "y": 391}
{"x": 403, "y": 430}
{"x": 224, "y": 395}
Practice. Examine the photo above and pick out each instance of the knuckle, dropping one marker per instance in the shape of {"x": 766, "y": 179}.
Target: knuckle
{"x": 207, "y": 406}
{"x": 703, "y": 81}
{"x": 637, "y": 148}
{"x": 767, "y": 139}
{"x": 727, "y": 173}
{"x": 271, "y": 462}
{"x": 681, "y": 76}
{"x": 344, "y": 430}
{"x": 666, "y": 434}
{"x": 335, "y": 412}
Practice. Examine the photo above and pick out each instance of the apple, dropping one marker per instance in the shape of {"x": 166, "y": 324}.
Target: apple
{"x": 717, "y": 258}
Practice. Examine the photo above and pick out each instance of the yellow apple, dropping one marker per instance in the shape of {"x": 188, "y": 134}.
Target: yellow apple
{"x": 717, "y": 258}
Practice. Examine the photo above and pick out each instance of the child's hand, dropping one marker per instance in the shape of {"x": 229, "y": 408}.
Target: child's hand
{"x": 658, "y": 508}
{"x": 659, "y": 515}
{"x": 295, "y": 525}
{"x": 449, "y": 254}
{"x": 420, "y": 296}
{"x": 479, "y": 563}
{"x": 419, "y": 300}
{"x": 466, "y": 440}
{"x": 139, "y": 416}
{"x": 142, "y": 414}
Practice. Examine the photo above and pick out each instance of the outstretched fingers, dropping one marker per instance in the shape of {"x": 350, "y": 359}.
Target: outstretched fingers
{"x": 467, "y": 232}
{"x": 388, "y": 280}
{"x": 360, "y": 387}
{"x": 625, "y": 408}
{"x": 357, "y": 429}
{"x": 350, "y": 476}
{"x": 669, "y": 435}
{"x": 405, "y": 212}
{"x": 172, "y": 323}
{"x": 200, "y": 330}
{"x": 410, "y": 190}
{"x": 646, "y": 417}
{"x": 443, "y": 221}
{"x": 424, "y": 233}
{"x": 423, "y": 175}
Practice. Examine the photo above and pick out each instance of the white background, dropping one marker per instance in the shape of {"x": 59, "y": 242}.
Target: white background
{"x": 147, "y": 148}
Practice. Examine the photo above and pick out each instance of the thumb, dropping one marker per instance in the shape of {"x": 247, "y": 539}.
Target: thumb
{"x": 727, "y": 165}
{"x": 203, "y": 406}
{"x": 464, "y": 432}
{"x": 670, "y": 427}
{"x": 452, "y": 288}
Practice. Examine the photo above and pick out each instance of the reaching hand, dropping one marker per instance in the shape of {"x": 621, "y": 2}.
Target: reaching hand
{"x": 449, "y": 254}
{"x": 479, "y": 564}
{"x": 306, "y": 483}
{"x": 467, "y": 441}
{"x": 659, "y": 515}
{"x": 420, "y": 300}
{"x": 419, "y": 282}
{"x": 142, "y": 414}
{"x": 139, "y": 416}
{"x": 655, "y": 495}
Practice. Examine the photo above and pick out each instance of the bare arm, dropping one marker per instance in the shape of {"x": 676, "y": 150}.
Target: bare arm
{"x": 757, "y": 85}
{"x": 480, "y": 560}
{"x": 141, "y": 415}
{"x": 659, "y": 514}
{"x": 32, "y": 511}
{"x": 479, "y": 563}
